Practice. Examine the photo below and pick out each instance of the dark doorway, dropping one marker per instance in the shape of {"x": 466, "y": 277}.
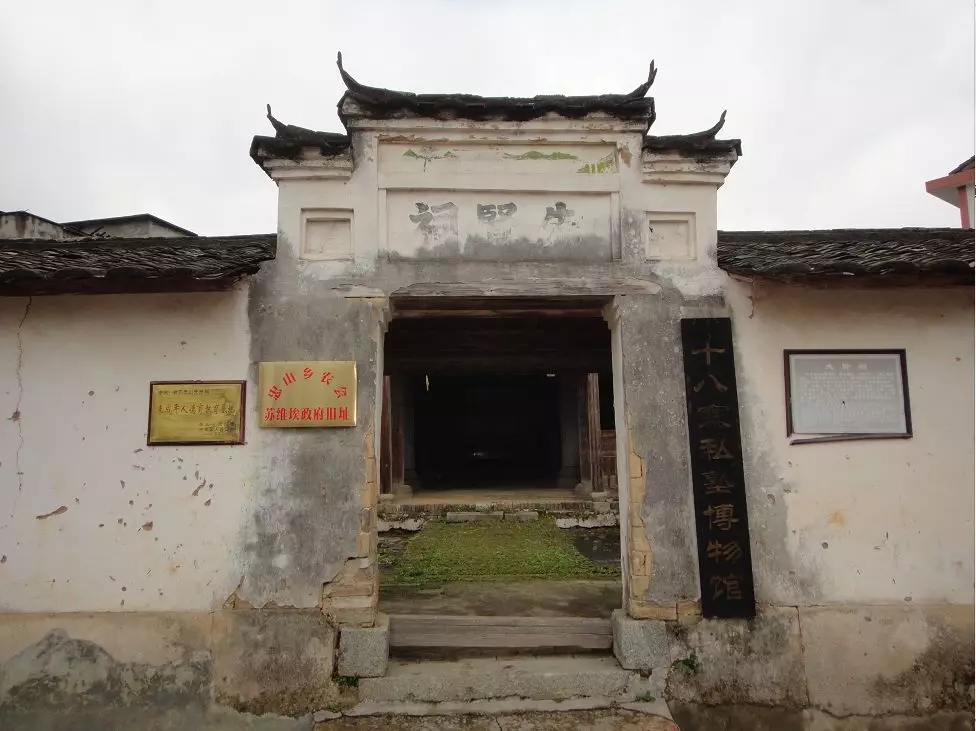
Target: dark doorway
{"x": 486, "y": 429}
{"x": 497, "y": 393}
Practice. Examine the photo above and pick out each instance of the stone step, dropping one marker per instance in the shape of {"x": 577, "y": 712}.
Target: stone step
{"x": 501, "y": 633}
{"x": 533, "y": 678}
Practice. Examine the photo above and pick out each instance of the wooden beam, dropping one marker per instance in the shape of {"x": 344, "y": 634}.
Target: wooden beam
{"x": 500, "y": 365}
{"x": 427, "y": 313}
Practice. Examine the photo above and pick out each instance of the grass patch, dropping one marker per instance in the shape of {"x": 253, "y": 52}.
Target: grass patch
{"x": 492, "y": 551}
{"x": 690, "y": 665}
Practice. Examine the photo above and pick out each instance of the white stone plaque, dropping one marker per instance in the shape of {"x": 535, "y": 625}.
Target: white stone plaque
{"x": 847, "y": 393}
{"x": 326, "y": 234}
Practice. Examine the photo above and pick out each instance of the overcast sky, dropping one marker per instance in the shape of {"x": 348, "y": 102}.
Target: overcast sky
{"x": 844, "y": 107}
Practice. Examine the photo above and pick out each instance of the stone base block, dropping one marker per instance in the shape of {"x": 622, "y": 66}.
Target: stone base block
{"x": 274, "y": 661}
{"x": 639, "y": 644}
{"x": 533, "y": 678}
{"x": 566, "y": 482}
{"x": 764, "y": 656}
{"x": 364, "y": 651}
{"x": 584, "y": 488}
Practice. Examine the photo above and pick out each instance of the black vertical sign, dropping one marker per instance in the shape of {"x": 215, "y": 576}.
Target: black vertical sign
{"x": 721, "y": 520}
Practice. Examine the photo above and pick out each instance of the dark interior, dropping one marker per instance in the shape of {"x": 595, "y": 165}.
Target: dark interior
{"x": 481, "y": 377}
{"x": 486, "y": 428}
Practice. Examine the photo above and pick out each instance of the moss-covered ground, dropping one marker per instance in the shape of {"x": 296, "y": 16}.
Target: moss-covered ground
{"x": 490, "y": 551}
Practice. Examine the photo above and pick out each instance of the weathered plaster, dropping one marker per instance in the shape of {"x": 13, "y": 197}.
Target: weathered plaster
{"x": 885, "y": 521}
{"x": 305, "y": 515}
{"x": 654, "y": 401}
{"x": 274, "y": 661}
{"x": 90, "y": 517}
{"x": 94, "y": 666}
{"x": 735, "y": 661}
{"x": 875, "y": 660}
{"x": 61, "y": 672}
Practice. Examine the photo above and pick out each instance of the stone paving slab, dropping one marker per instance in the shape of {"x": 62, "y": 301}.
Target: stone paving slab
{"x": 542, "y": 678}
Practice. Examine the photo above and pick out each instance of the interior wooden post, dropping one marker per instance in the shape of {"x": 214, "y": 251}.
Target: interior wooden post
{"x": 593, "y": 426}
{"x": 589, "y": 433}
{"x": 386, "y": 442}
{"x": 396, "y": 433}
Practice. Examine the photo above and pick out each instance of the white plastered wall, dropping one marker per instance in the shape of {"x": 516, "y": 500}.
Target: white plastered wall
{"x": 136, "y": 533}
{"x": 875, "y": 521}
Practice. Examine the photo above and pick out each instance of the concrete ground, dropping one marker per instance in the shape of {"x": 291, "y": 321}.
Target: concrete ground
{"x": 729, "y": 718}
{"x": 693, "y": 717}
{"x": 219, "y": 719}
{"x": 602, "y": 720}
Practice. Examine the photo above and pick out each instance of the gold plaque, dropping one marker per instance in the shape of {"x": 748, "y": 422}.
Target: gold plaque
{"x": 196, "y": 412}
{"x": 308, "y": 393}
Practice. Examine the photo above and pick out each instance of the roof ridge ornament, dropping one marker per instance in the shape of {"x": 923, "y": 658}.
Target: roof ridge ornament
{"x": 641, "y": 91}
{"x": 361, "y": 91}
{"x": 711, "y": 132}
{"x": 351, "y": 84}
{"x": 281, "y": 129}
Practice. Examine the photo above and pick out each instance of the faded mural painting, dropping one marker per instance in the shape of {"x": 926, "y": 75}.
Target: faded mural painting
{"x": 569, "y": 159}
{"x": 428, "y": 154}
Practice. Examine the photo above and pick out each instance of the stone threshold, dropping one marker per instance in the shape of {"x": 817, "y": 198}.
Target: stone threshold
{"x": 418, "y": 507}
{"x": 414, "y": 521}
{"x": 546, "y": 678}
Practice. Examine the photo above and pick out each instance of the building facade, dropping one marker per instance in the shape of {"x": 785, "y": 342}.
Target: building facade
{"x": 957, "y": 188}
{"x": 452, "y": 234}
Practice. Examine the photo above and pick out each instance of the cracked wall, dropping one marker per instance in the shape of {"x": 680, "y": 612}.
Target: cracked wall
{"x": 91, "y": 519}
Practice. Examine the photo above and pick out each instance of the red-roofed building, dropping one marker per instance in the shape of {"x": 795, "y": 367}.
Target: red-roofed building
{"x": 957, "y": 188}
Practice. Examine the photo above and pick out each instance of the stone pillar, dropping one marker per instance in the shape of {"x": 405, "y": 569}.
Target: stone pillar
{"x": 352, "y": 595}
{"x": 657, "y": 510}
{"x": 312, "y": 521}
{"x": 569, "y": 472}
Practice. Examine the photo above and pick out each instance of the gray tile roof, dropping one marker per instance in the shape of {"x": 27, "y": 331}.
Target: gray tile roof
{"x": 699, "y": 145}
{"x": 377, "y": 103}
{"x": 290, "y": 140}
{"x": 968, "y": 165}
{"x": 35, "y": 266}
{"x": 380, "y": 103}
{"x": 898, "y": 255}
